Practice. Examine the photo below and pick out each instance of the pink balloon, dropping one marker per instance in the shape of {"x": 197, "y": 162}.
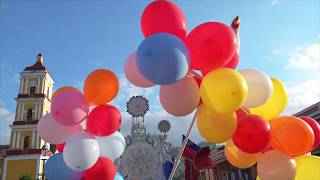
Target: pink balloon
{"x": 69, "y": 108}
{"x": 180, "y": 98}
{"x": 84, "y": 122}
{"x": 315, "y": 128}
{"x": 133, "y": 74}
{"x": 53, "y": 132}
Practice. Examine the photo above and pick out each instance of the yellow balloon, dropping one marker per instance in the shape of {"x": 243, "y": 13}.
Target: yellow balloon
{"x": 275, "y": 104}
{"x": 308, "y": 167}
{"x": 258, "y": 178}
{"x": 238, "y": 158}
{"x": 224, "y": 90}
{"x": 216, "y": 127}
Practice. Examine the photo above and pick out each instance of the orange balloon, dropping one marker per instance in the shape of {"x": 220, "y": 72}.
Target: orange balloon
{"x": 291, "y": 135}
{"x": 101, "y": 86}
{"x": 64, "y": 88}
{"x": 238, "y": 158}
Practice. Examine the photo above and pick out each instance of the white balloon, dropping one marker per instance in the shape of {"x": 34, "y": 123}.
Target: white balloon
{"x": 112, "y": 146}
{"x": 259, "y": 87}
{"x": 81, "y": 151}
{"x": 53, "y": 132}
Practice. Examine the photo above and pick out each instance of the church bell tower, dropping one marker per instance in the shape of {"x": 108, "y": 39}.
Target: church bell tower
{"x": 27, "y": 150}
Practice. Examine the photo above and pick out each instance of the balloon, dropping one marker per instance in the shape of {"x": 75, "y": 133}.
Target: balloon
{"x": 163, "y": 59}
{"x": 69, "y": 108}
{"x": 60, "y": 147}
{"x": 233, "y": 62}
{"x": 118, "y": 177}
{"x": 53, "y": 132}
{"x": 211, "y": 45}
{"x": 81, "y": 151}
{"x": 163, "y": 16}
{"x": 112, "y": 146}
{"x": 291, "y": 135}
{"x": 64, "y": 88}
{"x": 223, "y": 90}
{"x": 103, "y": 169}
{"x": 101, "y": 86}
{"x": 275, "y": 104}
{"x": 307, "y": 167}
{"x": 216, "y": 127}
{"x": 252, "y": 134}
{"x": 259, "y": 87}
{"x": 84, "y": 122}
{"x": 238, "y": 158}
{"x": 180, "y": 98}
{"x": 315, "y": 128}
{"x": 133, "y": 74}
{"x": 56, "y": 169}
{"x": 276, "y": 165}
{"x": 104, "y": 120}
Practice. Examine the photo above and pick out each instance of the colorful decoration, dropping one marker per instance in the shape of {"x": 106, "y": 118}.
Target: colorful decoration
{"x": 82, "y": 155}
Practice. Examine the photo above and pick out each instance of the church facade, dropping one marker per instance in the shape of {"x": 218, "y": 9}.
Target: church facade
{"x": 27, "y": 152}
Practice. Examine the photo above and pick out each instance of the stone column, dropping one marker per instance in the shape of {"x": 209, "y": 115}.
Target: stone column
{"x": 18, "y": 141}
{"x": 26, "y": 87}
{"x": 33, "y": 139}
{"x": 21, "y": 86}
{"x": 38, "y": 86}
{"x": 14, "y": 133}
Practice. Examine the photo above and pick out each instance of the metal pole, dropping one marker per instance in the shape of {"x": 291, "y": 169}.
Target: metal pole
{"x": 176, "y": 162}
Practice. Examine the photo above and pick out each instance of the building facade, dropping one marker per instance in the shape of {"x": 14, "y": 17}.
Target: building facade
{"x": 27, "y": 152}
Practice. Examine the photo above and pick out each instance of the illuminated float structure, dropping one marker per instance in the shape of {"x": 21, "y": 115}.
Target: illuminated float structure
{"x": 145, "y": 153}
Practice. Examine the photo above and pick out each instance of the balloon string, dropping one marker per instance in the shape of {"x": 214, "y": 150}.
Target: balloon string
{"x": 176, "y": 162}
{"x": 195, "y": 74}
{"x": 245, "y": 110}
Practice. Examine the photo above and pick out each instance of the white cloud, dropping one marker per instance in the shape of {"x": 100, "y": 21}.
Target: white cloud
{"x": 6, "y": 118}
{"x": 306, "y": 58}
{"x": 275, "y": 2}
{"x": 302, "y": 95}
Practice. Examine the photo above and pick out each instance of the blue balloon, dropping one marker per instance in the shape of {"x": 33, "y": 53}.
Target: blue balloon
{"x": 56, "y": 169}
{"x": 163, "y": 58}
{"x": 118, "y": 177}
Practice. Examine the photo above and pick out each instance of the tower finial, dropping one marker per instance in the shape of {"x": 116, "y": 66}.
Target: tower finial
{"x": 40, "y": 58}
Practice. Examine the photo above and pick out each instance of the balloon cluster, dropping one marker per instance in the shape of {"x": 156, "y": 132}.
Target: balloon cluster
{"x": 239, "y": 107}
{"x": 84, "y": 129}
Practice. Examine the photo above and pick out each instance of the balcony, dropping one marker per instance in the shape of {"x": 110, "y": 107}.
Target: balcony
{"x": 31, "y": 95}
{"x": 27, "y": 122}
{"x": 12, "y": 152}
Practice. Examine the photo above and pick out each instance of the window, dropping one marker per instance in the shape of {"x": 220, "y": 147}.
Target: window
{"x": 26, "y": 142}
{"x": 29, "y": 114}
{"x": 32, "y": 90}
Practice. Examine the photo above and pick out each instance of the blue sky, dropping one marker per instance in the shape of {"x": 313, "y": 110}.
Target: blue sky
{"x": 280, "y": 37}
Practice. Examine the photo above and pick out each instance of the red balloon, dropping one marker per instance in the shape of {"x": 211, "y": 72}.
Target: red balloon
{"x": 102, "y": 169}
{"x": 252, "y": 134}
{"x": 163, "y": 16}
{"x": 103, "y": 120}
{"x": 211, "y": 45}
{"x": 315, "y": 128}
{"x": 233, "y": 61}
{"x": 60, "y": 147}
{"x": 198, "y": 80}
